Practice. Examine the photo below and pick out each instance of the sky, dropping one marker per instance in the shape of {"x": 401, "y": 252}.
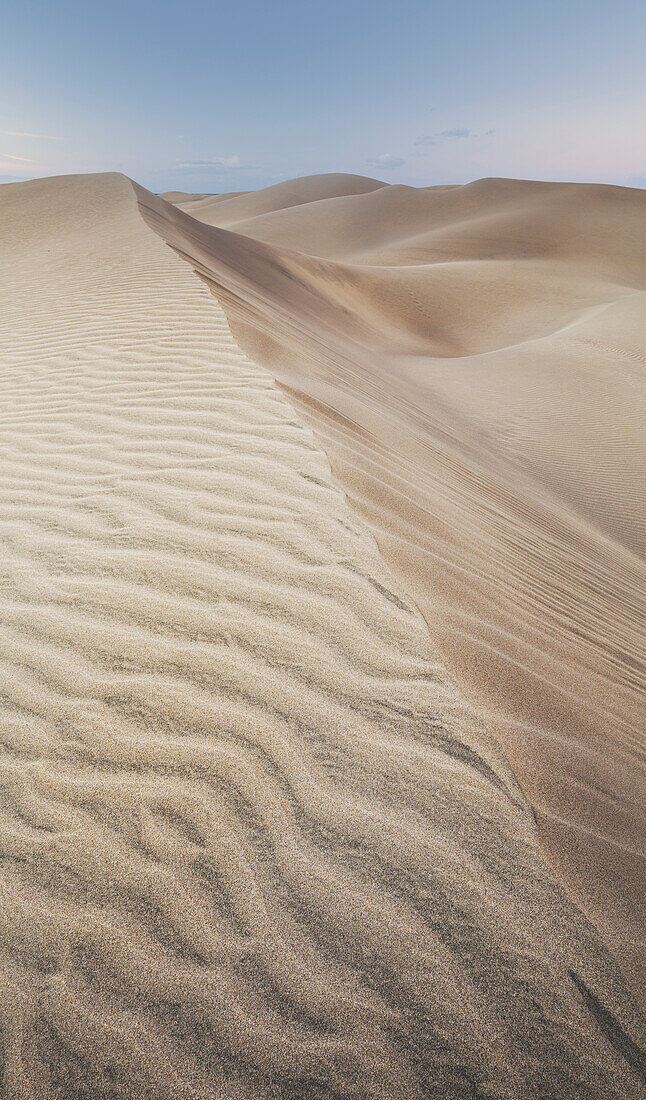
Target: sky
{"x": 214, "y": 97}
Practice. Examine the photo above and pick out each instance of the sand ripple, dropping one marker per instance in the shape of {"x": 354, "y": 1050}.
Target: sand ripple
{"x": 253, "y": 843}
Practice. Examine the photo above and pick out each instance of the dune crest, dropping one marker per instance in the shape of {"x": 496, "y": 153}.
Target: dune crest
{"x": 472, "y": 361}
{"x": 254, "y": 842}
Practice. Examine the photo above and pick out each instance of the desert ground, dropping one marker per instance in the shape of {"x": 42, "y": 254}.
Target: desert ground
{"x": 322, "y": 610}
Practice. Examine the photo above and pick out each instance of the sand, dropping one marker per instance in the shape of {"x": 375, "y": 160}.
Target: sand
{"x": 256, "y": 842}
{"x": 472, "y": 361}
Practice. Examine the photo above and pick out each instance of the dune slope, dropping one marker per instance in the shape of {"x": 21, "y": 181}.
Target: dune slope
{"x": 254, "y": 843}
{"x": 472, "y": 360}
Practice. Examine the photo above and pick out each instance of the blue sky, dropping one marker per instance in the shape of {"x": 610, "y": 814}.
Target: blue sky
{"x": 216, "y": 96}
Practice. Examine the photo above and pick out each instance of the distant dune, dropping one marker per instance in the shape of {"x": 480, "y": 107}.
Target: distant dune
{"x": 257, "y": 840}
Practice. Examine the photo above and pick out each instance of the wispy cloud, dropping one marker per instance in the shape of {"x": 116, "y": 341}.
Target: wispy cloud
{"x": 19, "y": 160}
{"x": 385, "y": 160}
{"x": 9, "y": 168}
{"x": 455, "y": 133}
{"x": 448, "y": 135}
{"x": 221, "y": 165}
{"x": 25, "y": 134}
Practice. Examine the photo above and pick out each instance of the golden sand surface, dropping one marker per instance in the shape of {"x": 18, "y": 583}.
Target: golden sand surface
{"x": 255, "y": 843}
{"x": 472, "y": 359}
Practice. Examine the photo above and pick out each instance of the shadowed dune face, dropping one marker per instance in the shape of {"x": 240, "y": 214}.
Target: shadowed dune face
{"x": 254, "y": 844}
{"x": 472, "y": 360}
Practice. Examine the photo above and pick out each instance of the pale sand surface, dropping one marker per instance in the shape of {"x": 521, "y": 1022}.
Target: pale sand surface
{"x": 254, "y": 842}
{"x": 472, "y": 360}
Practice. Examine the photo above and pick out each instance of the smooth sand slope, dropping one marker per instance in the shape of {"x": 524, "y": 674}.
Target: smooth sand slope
{"x": 254, "y": 843}
{"x": 472, "y": 360}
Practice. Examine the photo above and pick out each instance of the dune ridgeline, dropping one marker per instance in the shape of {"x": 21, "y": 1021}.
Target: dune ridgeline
{"x": 322, "y": 590}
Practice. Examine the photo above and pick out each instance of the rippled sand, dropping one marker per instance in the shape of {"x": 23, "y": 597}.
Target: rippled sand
{"x": 472, "y": 361}
{"x": 254, "y": 842}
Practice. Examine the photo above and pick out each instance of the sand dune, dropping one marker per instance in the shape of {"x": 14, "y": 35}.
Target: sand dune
{"x": 254, "y": 841}
{"x": 472, "y": 361}
{"x": 288, "y": 197}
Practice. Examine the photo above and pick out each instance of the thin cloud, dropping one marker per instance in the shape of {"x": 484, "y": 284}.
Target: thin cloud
{"x": 385, "y": 160}
{"x": 10, "y": 156}
{"x": 448, "y": 135}
{"x": 25, "y": 134}
{"x": 8, "y": 169}
{"x": 221, "y": 165}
